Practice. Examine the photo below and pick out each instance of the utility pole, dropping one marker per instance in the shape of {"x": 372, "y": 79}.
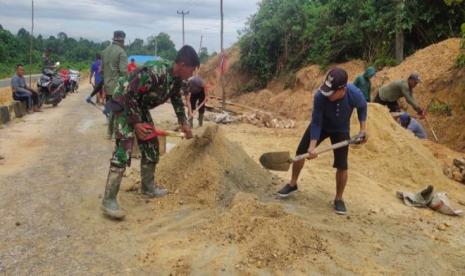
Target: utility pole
{"x": 32, "y": 41}
{"x": 223, "y": 104}
{"x": 201, "y": 40}
{"x": 183, "y": 13}
{"x": 399, "y": 32}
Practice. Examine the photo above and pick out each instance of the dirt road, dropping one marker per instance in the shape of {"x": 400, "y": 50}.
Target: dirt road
{"x": 52, "y": 180}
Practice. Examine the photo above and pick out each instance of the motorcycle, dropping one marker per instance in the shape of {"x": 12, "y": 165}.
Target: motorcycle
{"x": 50, "y": 87}
{"x": 74, "y": 78}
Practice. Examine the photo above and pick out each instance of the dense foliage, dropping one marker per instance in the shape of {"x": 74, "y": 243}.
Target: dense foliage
{"x": 286, "y": 34}
{"x": 75, "y": 53}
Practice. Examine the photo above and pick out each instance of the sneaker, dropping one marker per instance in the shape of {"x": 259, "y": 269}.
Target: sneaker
{"x": 287, "y": 190}
{"x": 89, "y": 100}
{"x": 340, "y": 207}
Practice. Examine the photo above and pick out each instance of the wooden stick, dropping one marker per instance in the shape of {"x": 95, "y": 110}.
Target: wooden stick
{"x": 432, "y": 130}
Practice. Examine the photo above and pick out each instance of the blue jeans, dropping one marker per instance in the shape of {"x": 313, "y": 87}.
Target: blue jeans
{"x": 28, "y": 97}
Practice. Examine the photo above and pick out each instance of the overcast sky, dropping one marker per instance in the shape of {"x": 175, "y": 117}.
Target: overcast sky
{"x": 96, "y": 20}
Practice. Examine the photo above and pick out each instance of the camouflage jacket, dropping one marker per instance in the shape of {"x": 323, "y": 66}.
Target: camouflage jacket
{"x": 146, "y": 88}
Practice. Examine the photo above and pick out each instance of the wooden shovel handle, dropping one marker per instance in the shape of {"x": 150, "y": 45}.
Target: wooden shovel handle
{"x": 324, "y": 149}
{"x": 174, "y": 133}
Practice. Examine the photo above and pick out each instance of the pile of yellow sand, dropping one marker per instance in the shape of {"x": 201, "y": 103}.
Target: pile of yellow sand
{"x": 210, "y": 169}
{"x": 393, "y": 156}
{"x": 265, "y": 234}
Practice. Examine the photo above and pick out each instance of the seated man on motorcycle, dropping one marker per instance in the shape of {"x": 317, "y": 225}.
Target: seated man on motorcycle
{"x": 22, "y": 92}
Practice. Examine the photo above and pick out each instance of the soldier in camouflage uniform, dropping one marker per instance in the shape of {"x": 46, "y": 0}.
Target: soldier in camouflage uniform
{"x": 148, "y": 87}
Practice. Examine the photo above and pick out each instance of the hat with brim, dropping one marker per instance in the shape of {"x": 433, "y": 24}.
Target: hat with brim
{"x": 335, "y": 79}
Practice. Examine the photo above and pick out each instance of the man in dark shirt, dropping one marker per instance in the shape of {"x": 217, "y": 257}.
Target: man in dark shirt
{"x": 22, "y": 92}
{"x": 96, "y": 74}
{"x": 196, "y": 98}
{"x": 332, "y": 108}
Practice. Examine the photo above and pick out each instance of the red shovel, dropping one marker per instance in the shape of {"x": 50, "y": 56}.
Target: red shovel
{"x": 154, "y": 133}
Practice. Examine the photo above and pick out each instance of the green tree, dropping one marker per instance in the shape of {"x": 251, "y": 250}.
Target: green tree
{"x": 286, "y": 34}
{"x": 203, "y": 55}
{"x": 162, "y": 45}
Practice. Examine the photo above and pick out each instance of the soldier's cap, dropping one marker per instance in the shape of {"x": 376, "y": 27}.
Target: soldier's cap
{"x": 336, "y": 79}
{"x": 119, "y": 35}
{"x": 415, "y": 77}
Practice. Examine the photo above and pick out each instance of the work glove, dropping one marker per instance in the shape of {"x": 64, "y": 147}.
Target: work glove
{"x": 422, "y": 113}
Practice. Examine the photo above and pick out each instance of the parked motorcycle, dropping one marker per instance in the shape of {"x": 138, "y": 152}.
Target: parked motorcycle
{"x": 74, "y": 78}
{"x": 50, "y": 87}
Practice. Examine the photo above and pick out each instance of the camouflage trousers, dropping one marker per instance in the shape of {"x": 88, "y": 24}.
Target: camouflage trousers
{"x": 123, "y": 151}
{"x": 124, "y": 134}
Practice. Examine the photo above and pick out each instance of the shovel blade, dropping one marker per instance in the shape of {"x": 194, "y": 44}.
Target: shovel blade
{"x": 276, "y": 161}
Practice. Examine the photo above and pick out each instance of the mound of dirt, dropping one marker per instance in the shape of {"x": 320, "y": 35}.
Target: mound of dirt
{"x": 5, "y": 95}
{"x": 430, "y": 62}
{"x": 296, "y": 103}
{"x": 210, "y": 169}
{"x": 394, "y": 156}
{"x": 442, "y": 84}
{"x": 265, "y": 234}
{"x": 233, "y": 79}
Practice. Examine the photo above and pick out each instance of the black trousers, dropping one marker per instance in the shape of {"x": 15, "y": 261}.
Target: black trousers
{"x": 340, "y": 154}
{"x": 393, "y": 106}
{"x": 97, "y": 88}
{"x": 197, "y": 99}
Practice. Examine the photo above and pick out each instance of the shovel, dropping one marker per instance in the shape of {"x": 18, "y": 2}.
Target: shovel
{"x": 281, "y": 161}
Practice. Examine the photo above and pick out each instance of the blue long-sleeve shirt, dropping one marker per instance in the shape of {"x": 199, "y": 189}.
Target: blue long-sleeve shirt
{"x": 18, "y": 84}
{"x": 335, "y": 116}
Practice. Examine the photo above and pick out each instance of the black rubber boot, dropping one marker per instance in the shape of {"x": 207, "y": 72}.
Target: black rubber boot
{"x": 110, "y": 205}
{"x": 148, "y": 187}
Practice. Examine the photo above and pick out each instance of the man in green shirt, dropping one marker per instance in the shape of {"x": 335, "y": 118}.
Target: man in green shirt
{"x": 388, "y": 95}
{"x": 363, "y": 82}
{"x": 114, "y": 65}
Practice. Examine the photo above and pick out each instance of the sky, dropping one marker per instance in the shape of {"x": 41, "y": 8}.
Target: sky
{"x": 96, "y": 20}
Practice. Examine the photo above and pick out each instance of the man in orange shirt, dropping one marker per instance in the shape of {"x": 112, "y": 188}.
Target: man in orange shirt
{"x": 132, "y": 66}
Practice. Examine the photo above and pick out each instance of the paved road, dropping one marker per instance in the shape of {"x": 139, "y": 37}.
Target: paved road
{"x": 7, "y": 82}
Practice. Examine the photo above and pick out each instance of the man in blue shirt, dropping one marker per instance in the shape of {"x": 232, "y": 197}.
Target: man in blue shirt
{"x": 96, "y": 74}
{"x": 413, "y": 125}
{"x": 332, "y": 108}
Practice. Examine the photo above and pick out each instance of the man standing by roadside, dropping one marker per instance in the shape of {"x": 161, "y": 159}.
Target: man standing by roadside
{"x": 363, "y": 82}
{"x": 132, "y": 66}
{"x": 114, "y": 66}
{"x": 22, "y": 92}
{"x": 96, "y": 75}
{"x": 148, "y": 87}
{"x": 389, "y": 95}
{"x": 47, "y": 60}
{"x": 332, "y": 108}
